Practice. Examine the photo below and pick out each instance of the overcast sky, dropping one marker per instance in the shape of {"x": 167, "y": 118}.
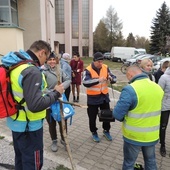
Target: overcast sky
{"x": 136, "y": 15}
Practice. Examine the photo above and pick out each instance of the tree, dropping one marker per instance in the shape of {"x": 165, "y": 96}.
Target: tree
{"x": 113, "y": 24}
{"x": 100, "y": 38}
{"x": 142, "y": 42}
{"x": 130, "y": 42}
{"x": 160, "y": 31}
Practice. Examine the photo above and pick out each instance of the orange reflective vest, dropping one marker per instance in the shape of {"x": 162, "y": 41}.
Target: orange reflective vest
{"x": 101, "y": 87}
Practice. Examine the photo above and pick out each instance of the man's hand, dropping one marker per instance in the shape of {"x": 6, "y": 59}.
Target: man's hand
{"x": 59, "y": 88}
{"x": 102, "y": 79}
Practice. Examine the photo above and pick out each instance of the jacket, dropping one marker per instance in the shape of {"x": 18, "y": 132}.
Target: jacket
{"x": 100, "y": 87}
{"x": 18, "y": 95}
{"x": 30, "y": 80}
{"x": 65, "y": 66}
{"x": 128, "y": 102}
{"x": 52, "y": 79}
{"x": 88, "y": 81}
{"x": 157, "y": 75}
{"x": 77, "y": 68}
{"x": 164, "y": 82}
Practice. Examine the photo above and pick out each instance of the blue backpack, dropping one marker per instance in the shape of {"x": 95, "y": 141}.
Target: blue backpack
{"x": 68, "y": 110}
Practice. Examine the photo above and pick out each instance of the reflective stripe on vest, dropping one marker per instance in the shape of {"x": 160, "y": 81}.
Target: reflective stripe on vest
{"x": 101, "y": 87}
{"x": 18, "y": 95}
{"x": 142, "y": 123}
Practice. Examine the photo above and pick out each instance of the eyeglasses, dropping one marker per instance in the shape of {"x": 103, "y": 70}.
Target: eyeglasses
{"x": 46, "y": 54}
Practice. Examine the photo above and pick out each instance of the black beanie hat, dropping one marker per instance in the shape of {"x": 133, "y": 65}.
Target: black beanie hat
{"x": 98, "y": 56}
{"x": 52, "y": 55}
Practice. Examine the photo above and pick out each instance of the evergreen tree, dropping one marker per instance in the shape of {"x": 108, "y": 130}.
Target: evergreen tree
{"x": 100, "y": 38}
{"x": 160, "y": 31}
{"x": 130, "y": 42}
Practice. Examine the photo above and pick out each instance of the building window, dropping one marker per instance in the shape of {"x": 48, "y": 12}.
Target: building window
{"x": 75, "y": 49}
{"x": 59, "y": 16}
{"x": 61, "y": 48}
{"x": 85, "y": 19}
{"x": 8, "y": 13}
{"x": 85, "y": 50}
{"x": 75, "y": 19}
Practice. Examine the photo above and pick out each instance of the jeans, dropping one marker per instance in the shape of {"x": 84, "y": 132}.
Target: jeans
{"x": 131, "y": 153}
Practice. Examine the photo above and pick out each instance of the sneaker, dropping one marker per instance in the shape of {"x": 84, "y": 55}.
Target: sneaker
{"x": 163, "y": 151}
{"x": 54, "y": 147}
{"x": 138, "y": 167}
{"x": 107, "y": 135}
{"x": 63, "y": 142}
{"x": 95, "y": 137}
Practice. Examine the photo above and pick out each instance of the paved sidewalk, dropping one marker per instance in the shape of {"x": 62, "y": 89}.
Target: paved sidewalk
{"x": 87, "y": 155}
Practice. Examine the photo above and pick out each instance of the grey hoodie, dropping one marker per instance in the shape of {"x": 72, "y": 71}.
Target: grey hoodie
{"x": 164, "y": 82}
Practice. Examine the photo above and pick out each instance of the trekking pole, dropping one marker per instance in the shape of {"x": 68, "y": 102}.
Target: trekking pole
{"x": 63, "y": 124}
{"x": 114, "y": 102}
{"x": 64, "y": 129}
{"x": 73, "y": 104}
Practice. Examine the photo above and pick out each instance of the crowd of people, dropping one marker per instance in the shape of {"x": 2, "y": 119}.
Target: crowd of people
{"x": 143, "y": 106}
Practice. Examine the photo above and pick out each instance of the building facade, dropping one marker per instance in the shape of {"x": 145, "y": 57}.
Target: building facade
{"x": 66, "y": 24}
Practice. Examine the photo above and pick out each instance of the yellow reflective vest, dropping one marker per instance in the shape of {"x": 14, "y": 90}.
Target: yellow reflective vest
{"x": 142, "y": 123}
{"x": 18, "y": 95}
{"x": 101, "y": 87}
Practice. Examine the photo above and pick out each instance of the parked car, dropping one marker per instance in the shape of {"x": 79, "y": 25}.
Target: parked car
{"x": 134, "y": 60}
{"x": 107, "y": 55}
{"x": 158, "y": 64}
{"x": 154, "y": 58}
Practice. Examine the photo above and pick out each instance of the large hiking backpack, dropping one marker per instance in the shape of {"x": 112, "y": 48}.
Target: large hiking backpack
{"x": 8, "y": 105}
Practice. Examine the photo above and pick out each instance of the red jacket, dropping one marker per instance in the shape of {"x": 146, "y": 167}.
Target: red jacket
{"x": 77, "y": 68}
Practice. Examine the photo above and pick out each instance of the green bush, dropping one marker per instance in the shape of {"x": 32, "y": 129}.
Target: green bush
{"x": 61, "y": 167}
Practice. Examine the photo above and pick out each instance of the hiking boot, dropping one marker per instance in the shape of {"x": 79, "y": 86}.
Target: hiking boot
{"x": 138, "y": 167}
{"x": 163, "y": 151}
{"x": 54, "y": 147}
{"x": 107, "y": 135}
{"x": 95, "y": 137}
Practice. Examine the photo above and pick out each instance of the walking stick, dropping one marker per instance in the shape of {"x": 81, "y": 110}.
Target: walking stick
{"x": 64, "y": 129}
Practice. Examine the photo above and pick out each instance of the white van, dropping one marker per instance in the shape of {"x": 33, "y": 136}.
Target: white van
{"x": 123, "y": 53}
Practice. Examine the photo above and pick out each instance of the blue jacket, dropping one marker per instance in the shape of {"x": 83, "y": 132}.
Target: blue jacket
{"x": 128, "y": 101}
{"x": 31, "y": 82}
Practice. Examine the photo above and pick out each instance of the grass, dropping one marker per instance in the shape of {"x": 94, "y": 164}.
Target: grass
{"x": 111, "y": 65}
{"x": 2, "y": 137}
{"x": 61, "y": 167}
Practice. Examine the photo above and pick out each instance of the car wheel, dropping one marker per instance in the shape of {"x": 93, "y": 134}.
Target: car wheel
{"x": 119, "y": 60}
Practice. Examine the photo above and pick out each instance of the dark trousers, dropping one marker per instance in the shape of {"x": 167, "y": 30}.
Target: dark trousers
{"x": 52, "y": 126}
{"x": 67, "y": 92}
{"x": 163, "y": 124}
{"x": 28, "y": 147}
{"x": 92, "y": 112}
